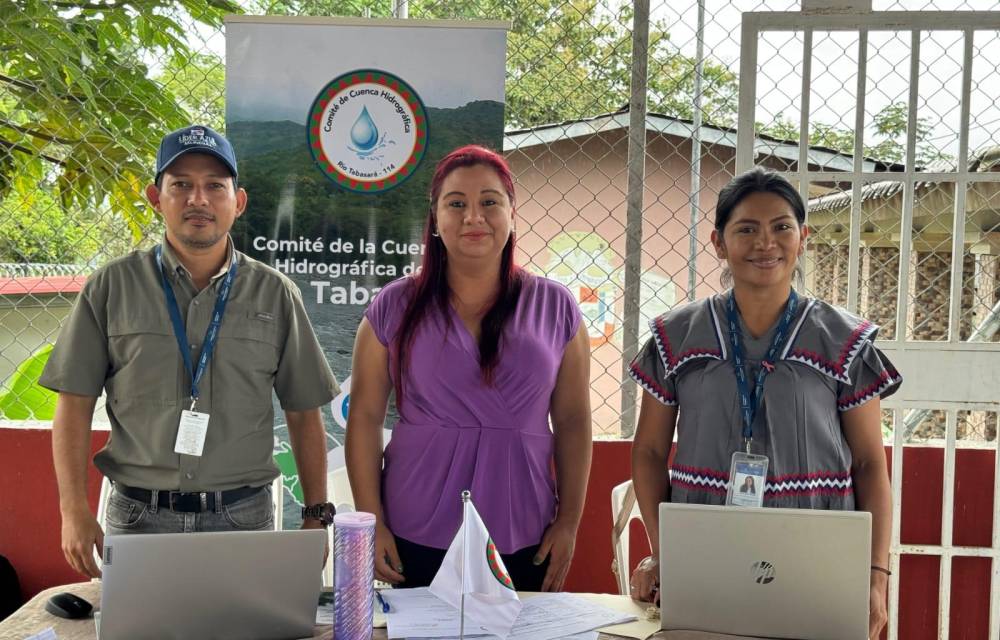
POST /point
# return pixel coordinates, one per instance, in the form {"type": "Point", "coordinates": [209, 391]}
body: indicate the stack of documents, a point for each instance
{"type": "Point", "coordinates": [416, 613]}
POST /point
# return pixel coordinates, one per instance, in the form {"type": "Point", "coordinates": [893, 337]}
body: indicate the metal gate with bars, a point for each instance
{"type": "Point", "coordinates": [948, 213]}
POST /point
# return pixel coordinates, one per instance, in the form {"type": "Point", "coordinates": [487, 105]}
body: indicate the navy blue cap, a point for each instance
{"type": "Point", "coordinates": [194, 139]}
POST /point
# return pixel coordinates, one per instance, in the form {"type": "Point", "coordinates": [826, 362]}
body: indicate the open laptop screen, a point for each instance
{"type": "Point", "coordinates": [777, 573]}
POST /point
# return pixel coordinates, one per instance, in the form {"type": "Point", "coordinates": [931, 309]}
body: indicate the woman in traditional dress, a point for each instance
{"type": "Point", "coordinates": [763, 370]}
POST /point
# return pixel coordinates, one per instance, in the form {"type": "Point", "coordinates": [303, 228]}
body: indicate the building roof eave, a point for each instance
{"type": "Point", "coordinates": [828, 159]}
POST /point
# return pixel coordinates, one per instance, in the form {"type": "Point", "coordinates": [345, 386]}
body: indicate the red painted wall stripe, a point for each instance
{"type": "Point", "coordinates": [30, 527]}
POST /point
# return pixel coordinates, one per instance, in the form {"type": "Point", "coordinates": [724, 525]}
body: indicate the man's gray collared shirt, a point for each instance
{"type": "Point", "coordinates": [119, 338]}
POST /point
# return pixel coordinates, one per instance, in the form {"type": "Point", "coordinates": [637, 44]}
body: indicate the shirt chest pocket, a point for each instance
{"type": "Point", "coordinates": [145, 359]}
{"type": "Point", "coordinates": [248, 352]}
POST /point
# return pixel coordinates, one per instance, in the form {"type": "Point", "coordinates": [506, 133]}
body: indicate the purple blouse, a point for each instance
{"type": "Point", "coordinates": [456, 433]}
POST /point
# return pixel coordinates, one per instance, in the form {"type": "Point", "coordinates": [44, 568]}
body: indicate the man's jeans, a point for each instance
{"type": "Point", "coordinates": [126, 515]}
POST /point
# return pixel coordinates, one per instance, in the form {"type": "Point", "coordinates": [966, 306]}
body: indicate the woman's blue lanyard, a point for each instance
{"type": "Point", "coordinates": [213, 327]}
{"type": "Point", "coordinates": [750, 403]}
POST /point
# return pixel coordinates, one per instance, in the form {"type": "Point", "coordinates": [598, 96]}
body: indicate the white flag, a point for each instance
{"type": "Point", "coordinates": [490, 599]}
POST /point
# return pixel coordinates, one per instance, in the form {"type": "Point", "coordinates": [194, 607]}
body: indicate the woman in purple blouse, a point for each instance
{"type": "Point", "coordinates": [480, 354]}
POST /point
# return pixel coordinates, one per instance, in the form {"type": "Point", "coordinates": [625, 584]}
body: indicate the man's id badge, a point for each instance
{"type": "Point", "coordinates": [747, 475]}
{"type": "Point", "coordinates": [191, 433]}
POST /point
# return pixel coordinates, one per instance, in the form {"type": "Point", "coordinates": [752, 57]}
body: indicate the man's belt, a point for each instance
{"type": "Point", "coordinates": [194, 502]}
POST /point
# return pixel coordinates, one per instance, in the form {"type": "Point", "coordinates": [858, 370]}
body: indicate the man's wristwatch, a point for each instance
{"type": "Point", "coordinates": [322, 511]}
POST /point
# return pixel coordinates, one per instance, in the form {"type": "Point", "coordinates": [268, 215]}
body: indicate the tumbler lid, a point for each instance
{"type": "Point", "coordinates": [354, 520]}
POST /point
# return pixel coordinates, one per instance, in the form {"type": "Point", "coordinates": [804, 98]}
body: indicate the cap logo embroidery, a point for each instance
{"type": "Point", "coordinates": [198, 137]}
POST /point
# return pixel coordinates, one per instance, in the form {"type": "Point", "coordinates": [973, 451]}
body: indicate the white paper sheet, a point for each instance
{"type": "Point", "coordinates": [416, 613]}
{"type": "Point", "coordinates": [46, 634]}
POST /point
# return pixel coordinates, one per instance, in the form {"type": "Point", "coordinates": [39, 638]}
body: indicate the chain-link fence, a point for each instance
{"type": "Point", "coordinates": [617, 171]}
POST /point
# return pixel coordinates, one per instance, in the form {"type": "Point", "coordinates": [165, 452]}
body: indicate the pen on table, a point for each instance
{"type": "Point", "coordinates": [381, 601]}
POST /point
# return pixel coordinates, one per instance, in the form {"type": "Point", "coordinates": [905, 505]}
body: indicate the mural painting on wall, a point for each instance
{"type": "Point", "coordinates": [590, 268]}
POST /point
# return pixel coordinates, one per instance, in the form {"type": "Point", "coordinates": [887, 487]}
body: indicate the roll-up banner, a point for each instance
{"type": "Point", "coordinates": [337, 126]}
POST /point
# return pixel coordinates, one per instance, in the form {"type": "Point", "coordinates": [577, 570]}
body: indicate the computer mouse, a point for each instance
{"type": "Point", "coordinates": [68, 605]}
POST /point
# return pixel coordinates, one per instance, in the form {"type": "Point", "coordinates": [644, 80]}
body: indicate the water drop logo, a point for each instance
{"type": "Point", "coordinates": [368, 130]}
{"type": "Point", "coordinates": [364, 133]}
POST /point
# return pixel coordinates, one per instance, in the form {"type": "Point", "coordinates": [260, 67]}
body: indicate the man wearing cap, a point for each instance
{"type": "Point", "coordinates": [187, 340]}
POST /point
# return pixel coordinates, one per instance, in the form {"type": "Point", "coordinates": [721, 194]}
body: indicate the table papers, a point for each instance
{"type": "Point", "coordinates": [416, 613]}
{"type": "Point", "coordinates": [641, 628]}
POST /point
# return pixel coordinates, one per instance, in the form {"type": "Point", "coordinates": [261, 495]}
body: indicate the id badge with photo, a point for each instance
{"type": "Point", "coordinates": [747, 475]}
{"type": "Point", "coordinates": [191, 433]}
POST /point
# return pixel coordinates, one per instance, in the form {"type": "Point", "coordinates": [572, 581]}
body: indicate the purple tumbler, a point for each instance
{"type": "Point", "coordinates": [353, 575]}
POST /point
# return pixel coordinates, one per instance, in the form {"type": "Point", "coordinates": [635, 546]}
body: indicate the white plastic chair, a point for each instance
{"type": "Point", "coordinates": [278, 498]}
{"type": "Point", "coordinates": [102, 501]}
{"type": "Point", "coordinates": [624, 509]}
{"type": "Point", "coordinates": [338, 485]}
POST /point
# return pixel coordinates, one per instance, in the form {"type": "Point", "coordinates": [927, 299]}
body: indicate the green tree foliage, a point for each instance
{"type": "Point", "coordinates": [198, 83]}
{"type": "Point", "coordinates": [566, 59]}
{"type": "Point", "coordinates": [21, 397]}
{"type": "Point", "coordinates": [888, 127]}
{"type": "Point", "coordinates": [87, 88]}
{"type": "Point", "coordinates": [80, 115]}
{"type": "Point", "coordinates": [35, 228]}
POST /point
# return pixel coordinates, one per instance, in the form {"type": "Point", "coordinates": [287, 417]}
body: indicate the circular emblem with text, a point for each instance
{"type": "Point", "coordinates": [367, 130]}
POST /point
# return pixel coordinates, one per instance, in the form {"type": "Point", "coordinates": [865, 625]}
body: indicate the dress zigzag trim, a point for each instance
{"type": "Point", "coordinates": [837, 370]}
{"type": "Point", "coordinates": [885, 380]}
{"type": "Point", "coordinates": [672, 362]}
{"type": "Point", "coordinates": [820, 483]}
{"type": "Point", "coordinates": [701, 479]}
{"type": "Point", "coordinates": [788, 485]}
{"type": "Point", "coordinates": [652, 386]}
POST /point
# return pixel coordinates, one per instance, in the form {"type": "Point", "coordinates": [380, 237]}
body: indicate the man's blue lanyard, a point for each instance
{"type": "Point", "coordinates": [213, 327]}
{"type": "Point", "coordinates": [750, 403]}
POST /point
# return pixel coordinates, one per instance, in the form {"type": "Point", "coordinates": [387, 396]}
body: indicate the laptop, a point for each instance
{"type": "Point", "coordinates": [246, 585]}
{"type": "Point", "coordinates": [772, 573]}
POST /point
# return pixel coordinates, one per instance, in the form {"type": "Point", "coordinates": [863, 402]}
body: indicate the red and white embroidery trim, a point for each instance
{"type": "Point", "coordinates": [837, 370]}
{"type": "Point", "coordinates": [671, 362]}
{"type": "Point", "coordinates": [650, 385]}
{"type": "Point", "coordinates": [699, 479]}
{"type": "Point", "coordinates": [885, 380]}
{"type": "Point", "coordinates": [799, 484]}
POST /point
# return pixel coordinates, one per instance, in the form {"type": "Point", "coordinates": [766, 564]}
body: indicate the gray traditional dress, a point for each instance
{"type": "Point", "coordinates": [827, 365]}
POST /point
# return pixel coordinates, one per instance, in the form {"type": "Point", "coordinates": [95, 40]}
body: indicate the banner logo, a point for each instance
{"type": "Point", "coordinates": [368, 131]}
